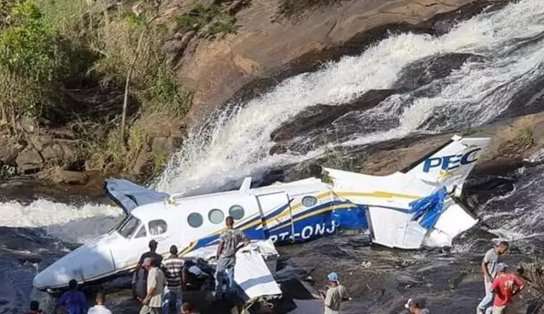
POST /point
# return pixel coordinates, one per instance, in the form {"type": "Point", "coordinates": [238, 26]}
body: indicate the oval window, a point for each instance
{"type": "Point", "coordinates": [216, 216]}
{"type": "Point", "coordinates": [195, 220]}
{"type": "Point", "coordinates": [236, 212]}
{"type": "Point", "coordinates": [309, 201]}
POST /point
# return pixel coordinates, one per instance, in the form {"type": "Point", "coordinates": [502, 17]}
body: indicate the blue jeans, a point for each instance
{"type": "Point", "coordinates": [485, 306]}
{"type": "Point", "coordinates": [172, 301]}
{"type": "Point", "coordinates": [224, 272]}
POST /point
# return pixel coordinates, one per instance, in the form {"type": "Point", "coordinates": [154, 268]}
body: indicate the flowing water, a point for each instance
{"type": "Point", "coordinates": [500, 76]}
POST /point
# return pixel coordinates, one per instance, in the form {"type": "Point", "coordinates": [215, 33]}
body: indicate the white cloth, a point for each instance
{"type": "Point", "coordinates": [98, 309]}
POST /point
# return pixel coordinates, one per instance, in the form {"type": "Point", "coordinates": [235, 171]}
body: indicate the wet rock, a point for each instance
{"type": "Point", "coordinates": [59, 175]}
{"type": "Point", "coordinates": [429, 69]}
{"type": "Point", "coordinates": [277, 45]}
{"type": "Point", "coordinates": [29, 160]}
{"type": "Point", "coordinates": [321, 116]}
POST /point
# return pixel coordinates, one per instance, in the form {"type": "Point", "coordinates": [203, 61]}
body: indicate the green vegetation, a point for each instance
{"type": "Point", "coordinates": [49, 47]}
{"type": "Point", "coordinates": [524, 139]}
{"type": "Point", "coordinates": [208, 22]}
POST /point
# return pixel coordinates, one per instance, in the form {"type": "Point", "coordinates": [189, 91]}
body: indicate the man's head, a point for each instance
{"type": "Point", "coordinates": [35, 306]}
{"type": "Point", "coordinates": [100, 298]}
{"type": "Point", "coordinates": [153, 245]}
{"type": "Point", "coordinates": [229, 222]}
{"type": "Point", "coordinates": [502, 247]}
{"type": "Point", "coordinates": [174, 250]}
{"type": "Point", "coordinates": [72, 284]}
{"type": "Point", "coordinates": [148, 263]}
{"type": "Point", "coordinates": [502, 268]}
{"type": "Point", "coordinates": [187, 308]}
{"type": "Point", "coordinates": [413, 305]}
{"type": "Point", "coordinates": [333, 278]}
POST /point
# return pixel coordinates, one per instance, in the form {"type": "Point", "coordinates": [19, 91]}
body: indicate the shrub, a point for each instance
{"type": "Point", "coordinates": [208, 21]}
{"type": "Point", "coordinates": [31, 62]}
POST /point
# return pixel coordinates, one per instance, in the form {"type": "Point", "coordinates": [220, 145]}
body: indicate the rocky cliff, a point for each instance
{"type": "Point", "coordinates": [220, 51]}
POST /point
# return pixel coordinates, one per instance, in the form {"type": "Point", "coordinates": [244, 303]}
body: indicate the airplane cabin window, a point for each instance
{"type": "Point", "coordinates": [309, 201]}
{"type": "Point", "coordinates": [141, 233]}
{"type": "Point", "coordinates": [236, 211]}
{"type": "Point", "coordinates": [157, 227]}
{"type": "Point", "coordinates": [216, 216]}
{"type": "Point", "coordinates": [128, 226]}
{"type": "Point", "coordinates": [195, 220]}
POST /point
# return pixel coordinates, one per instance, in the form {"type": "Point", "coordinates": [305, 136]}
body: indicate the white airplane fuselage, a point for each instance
{"type": "Point", "coordinates": [285, 213]}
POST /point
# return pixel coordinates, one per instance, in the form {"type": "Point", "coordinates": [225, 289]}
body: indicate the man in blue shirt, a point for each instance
{"type": "Point", "coordinates": [73, 301]}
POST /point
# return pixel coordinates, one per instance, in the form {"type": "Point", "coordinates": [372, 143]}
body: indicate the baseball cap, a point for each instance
{"type": "Point", "coordinates": [332, 276]}
{"type": "Point", "coordinates": [501, 267]}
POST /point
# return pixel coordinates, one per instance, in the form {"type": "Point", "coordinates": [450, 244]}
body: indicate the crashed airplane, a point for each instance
{"type": "Point", "coordinates": [405, 210]}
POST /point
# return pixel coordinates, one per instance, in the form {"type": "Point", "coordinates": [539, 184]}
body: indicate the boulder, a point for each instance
{"type": "Point", "coordinates": [9, 150]}
{"type": "Point", "coordinates": [165, 145]}
{"type": "Point", "coordinates": [53, 153]}
{"type": "Point", "coordinates": [143, 162]}
{"type": "Point", "coordinates": [29, 160]}
{"type": "Point", "coordinates": [58, 175]}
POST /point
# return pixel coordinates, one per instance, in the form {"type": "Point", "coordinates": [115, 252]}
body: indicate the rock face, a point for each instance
{"type": "Point", "coordinates": [267, 43]}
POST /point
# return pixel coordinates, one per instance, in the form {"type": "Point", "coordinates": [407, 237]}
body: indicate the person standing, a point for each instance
{"type": "Point", "coordinates": [99, 308]}
{"type": "Point", "coordinates": [336, 294]}
{"type": "Point", "coordinates": [73, 300]}
{"type": "Point", "coordinates": [139, 279]}
{"type": "Point", "coordinates": [226, 255]}
{"type": "Point", "coordinates": [416, 307]}
{"type": "Point", "coordinates": [152, 303]}
{"type": "Point", "coordinates": [505, 286]}
{"type": "Point", "coordinates": [173, 271]}
{"type": "Point", "coordinates": [489, 268]}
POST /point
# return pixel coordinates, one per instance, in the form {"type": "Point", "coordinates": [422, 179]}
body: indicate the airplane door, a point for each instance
{"type": "Point", "coordinates": [275, 212]}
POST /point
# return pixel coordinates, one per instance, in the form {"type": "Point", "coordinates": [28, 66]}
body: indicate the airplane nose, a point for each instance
{"type": "Point", "coordinates": [87, 263]}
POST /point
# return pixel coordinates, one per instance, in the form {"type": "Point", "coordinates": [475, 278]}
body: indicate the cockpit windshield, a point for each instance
{"type": "Point", "coordinates": [128, 226]}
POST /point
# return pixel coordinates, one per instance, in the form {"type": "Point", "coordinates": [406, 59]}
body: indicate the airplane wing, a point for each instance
{"type": "Point", "coordinates": [129, 195]}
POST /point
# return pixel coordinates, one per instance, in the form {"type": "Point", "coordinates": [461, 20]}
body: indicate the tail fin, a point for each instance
{"type": "Point", "coordinates": [450, 165]}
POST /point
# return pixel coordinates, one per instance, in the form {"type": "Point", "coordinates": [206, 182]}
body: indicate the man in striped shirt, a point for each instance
{"type": "Point", "coordinates": [173, 271]}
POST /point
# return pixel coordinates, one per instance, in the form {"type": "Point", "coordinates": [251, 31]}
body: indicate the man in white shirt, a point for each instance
{"type": "Point", "coordinates": [99, 308]}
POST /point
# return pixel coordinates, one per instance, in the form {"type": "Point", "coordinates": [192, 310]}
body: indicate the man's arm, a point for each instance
{"type": "Point", "coordinates": [152, 284]}
{"type": "Point", "coordinates": [485, 261]}
{"type": "Point", "coordinates": [219, 248]}
{"type": "Point", "coordinates": [328, 298]}
{"type": "Point", "coordinates": [519, 285]}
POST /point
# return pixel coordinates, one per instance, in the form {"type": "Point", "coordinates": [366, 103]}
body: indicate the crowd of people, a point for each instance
{"type": "Point", "coordinates": [158, 283]}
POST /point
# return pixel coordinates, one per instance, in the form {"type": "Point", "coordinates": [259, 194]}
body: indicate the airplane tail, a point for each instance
{"type": "Point", "coordinates": [450, 164]}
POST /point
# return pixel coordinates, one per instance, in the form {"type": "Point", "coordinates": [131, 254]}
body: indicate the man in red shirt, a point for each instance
{"type": "Point", "coordinates": [505, 286]}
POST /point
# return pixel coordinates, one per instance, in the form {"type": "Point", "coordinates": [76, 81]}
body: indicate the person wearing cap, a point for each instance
{"type": "Point", "coordinates": [99, 308]}
{"type": "Point", "coordinates": [336, 293]}
{"type": "Point", "coordinates": [505, 286]}
{"type": "Point", "coordinates": [34, 308]}
{"type": "Point", "coordinates": [152, 303]}
{"type": "Point", "coordinates": [489, 268]}
{"type": "Point", "coordinates": [416, 307]}
{"type": "Point", "coordinates": [139, 279]}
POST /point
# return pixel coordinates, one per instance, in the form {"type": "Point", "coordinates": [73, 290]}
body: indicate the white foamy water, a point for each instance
{"type": "Point", "coordinates": [238, 142]}
{"type": "Point", "coordinates": [62, 221]}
